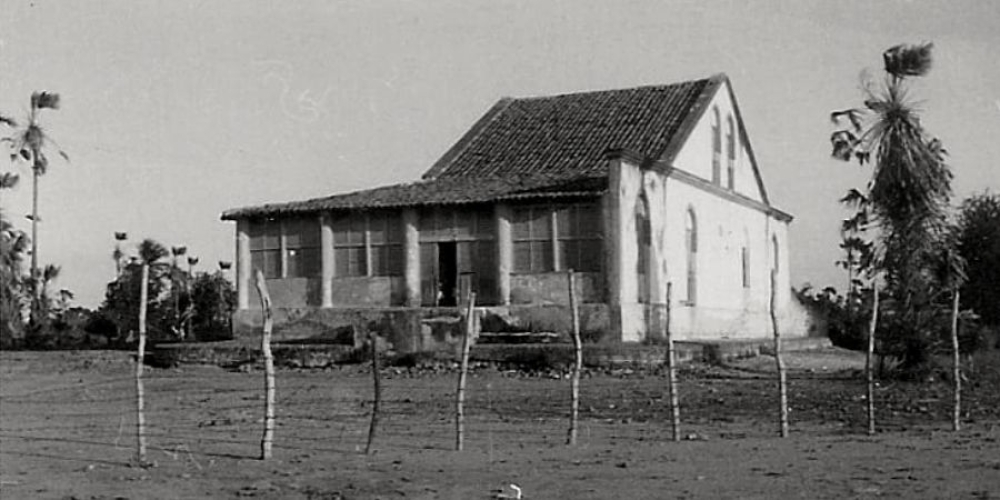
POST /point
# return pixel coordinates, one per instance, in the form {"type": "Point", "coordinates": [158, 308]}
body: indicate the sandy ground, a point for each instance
{"type": "Point", "coordinates": [67, 430]}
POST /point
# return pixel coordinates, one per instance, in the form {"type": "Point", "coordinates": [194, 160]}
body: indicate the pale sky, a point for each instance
{"type": "Point", "coordinates": [174, 111]}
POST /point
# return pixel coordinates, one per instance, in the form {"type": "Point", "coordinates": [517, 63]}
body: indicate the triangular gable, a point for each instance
{"type": "Point", "coordinates": [700, 113]}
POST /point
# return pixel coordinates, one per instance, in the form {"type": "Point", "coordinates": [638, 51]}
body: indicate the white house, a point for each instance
{"type": "Point", "coordinates": [632, 189]}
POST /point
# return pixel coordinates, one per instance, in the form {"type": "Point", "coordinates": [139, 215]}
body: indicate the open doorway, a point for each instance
{"type": "Point", "coordinates": [447, 274]}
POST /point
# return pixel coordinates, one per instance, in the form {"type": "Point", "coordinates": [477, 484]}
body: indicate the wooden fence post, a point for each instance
{"type": "Point", "coordinates": [956, 417]}
{"type": "Point", "coordinates": [574, 307]}
{"type": "Point", "coordinates": [869, 354]}
{"type": "Point", "coordinates": [265, 347]}
{"type": "Point", "coordinates": [782, 376]}
{"type": "Point", "coordinates": [140, 416]}
{"type": "Point", "coordinates": [675, 408]}
{"type": "Point", "coordinates": [377, 403]}
{"type": "Point", "coordinates": [470, 322]}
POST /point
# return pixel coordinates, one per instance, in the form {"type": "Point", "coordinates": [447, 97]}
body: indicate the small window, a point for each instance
{"type": "Point", "coordinates": [716, 146]}
{"type": "Point", "coordinates": [349, 251]}
{"type": "Point", "coordinates": [579, 237]}
{"type": "Point", "coordinates": [302, 248]}
{"type": "Point", "coordinates": [385, 232]}
{"type": "Point", "coordinates": [731, 150]}
{"type": "Point", "coordinates": [745, 260]}
{"type": "Point", "coordinates": [691, 247]}
{"type": "Point", "coordinates": [644, 243]}
{"type": "Point", "coordinates": [531, 231]}
{"type": "Point", "coordinates": [265, 247]}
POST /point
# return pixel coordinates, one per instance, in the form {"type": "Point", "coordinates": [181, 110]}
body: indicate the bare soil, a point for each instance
{"type": "Point", "coordinates": [67, 431]}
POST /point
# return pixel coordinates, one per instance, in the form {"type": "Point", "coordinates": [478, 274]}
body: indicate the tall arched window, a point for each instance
{"type": "Point", "coordinates": [691, 247]}
{"type": "Point", "coordinates": [745, 258]}
{"type": "Point", "coordinates": [644, 243]}
{"type": "Point", "coordinates": [731, 153]}
{"type": "Point", "coordinates": [716, 146]}
{"type": "Point", "coordinates": [776, 265]}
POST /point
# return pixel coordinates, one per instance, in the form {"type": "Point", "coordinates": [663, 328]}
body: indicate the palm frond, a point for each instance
{"type": "Point", "coordinates": [121, 236]}
{"type": "Point", "coordinates": [908, 60]}
{"type": "Point", "coordinates": [8, 180]}
{"type": "Point", "coordinates": [844, 144]}
{"type": "Point", "coordinates": [51, 272]}
{"type": "Point", "coordinates": [151, 251]}
{"type": "Point", "coordinates": [43, 100]}
{"type": "Point", "coordinates": [8, 121]}
{"type": "Point", "coordinates": [178, 251]}
{"type": "Point", "coordinates": [854, 198]}
{"type": "Point", "coordinates": [853, 115]}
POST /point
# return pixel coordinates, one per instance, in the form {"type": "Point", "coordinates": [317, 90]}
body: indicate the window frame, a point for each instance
{"type": "Point", "coordinates": [389, 247]}
{"type": "Point", "coordinates": [558, 240]}
{"type": "Point", "coordinates": [731, 153]}
{"type": "Point", "coordinates": [691, 255]}
{"type": "Point", "coordinates": [716, 146]}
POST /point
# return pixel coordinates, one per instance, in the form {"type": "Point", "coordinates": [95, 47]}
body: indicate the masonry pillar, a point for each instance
{"type": "Point", "coordinates": [505, 252]}
{"type": "Point", "coordinates": [411, 259]}
{"type": "Point", "coordinates": [326, 259]}
{"type": "Point", "coordinates": [243, 268]}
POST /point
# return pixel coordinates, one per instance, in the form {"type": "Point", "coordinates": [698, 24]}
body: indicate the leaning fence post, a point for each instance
{"type": "Point", "coordinates": [868, 359]}
{"type": "Point", "coordinates": [782, 377]}
{"type": "Point", "coordinates": [675, 408]}
{"type": "Point", "coordinates": [377, 403]}
{"type": "Point", "coordinates": [574, 307]}
{"type": "Point", "coordinates": [463, 371]}
{"type": "Point", "coordinates": [140, 417]}
{"type": "Point", "coordinates": [956, 417]}
{"type": "Point", "coordinates": [265, 347]}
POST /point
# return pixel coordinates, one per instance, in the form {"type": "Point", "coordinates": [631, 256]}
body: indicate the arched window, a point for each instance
{"type": "Point", "coordinates": [691, 247]}
{"type": "Point", "coordinates": [731, 153]}
{"type": "Point", "coordinates": [776, 265]}
{"type": "Point", "coordinates": [745, 258]}
{"type": "Point", "coordinates": [716, 146]}
{"type": "Point", "coordinates": [644, 243]}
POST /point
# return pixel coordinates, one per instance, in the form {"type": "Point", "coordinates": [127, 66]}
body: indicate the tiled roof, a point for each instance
{"type": "Point", "coordinates": [453, 191]}
{"type": "Point", "coordinates": [567, 135]}
{"type": "Point", "coordinates": [535, 147]}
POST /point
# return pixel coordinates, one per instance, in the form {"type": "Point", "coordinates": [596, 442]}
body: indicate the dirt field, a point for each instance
{"type": "Point", "coordinates": [67, 431]}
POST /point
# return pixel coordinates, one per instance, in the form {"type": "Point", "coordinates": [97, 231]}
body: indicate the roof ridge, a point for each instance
{"type": "Point", "coordinates": [712, 77]}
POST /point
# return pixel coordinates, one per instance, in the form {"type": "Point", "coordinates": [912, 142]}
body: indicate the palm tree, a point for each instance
{"type": "Point", "coordinates": [908, 193]}
{"type": "Point", "coordinates": [118, 255]}
{"type": "Point", "coordinates": [29, 145]}
{"type": "Point", "coordinates": [8, 180]}
{"type": "Point", "coordinates": [49, 275]}
{"type": "Point", "coordinates": [192, 261]}
{"type": "Point", "coordinates": [177, 252]}
{"type": "Point", "coordinates": [13, 300]}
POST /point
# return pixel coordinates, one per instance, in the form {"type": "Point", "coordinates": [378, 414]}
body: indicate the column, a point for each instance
{"type": "Point", "coordinates": [326, 259]}
{"type": "Point", "coordinates": [411, 253]}
{"type": "Point", "coordinates": [505, 252]}
{"type": "Point", "coordinates": [243, 268]}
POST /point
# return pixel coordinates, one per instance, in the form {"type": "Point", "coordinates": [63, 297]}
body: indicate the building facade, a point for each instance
{"type": "Point", "coordinates": [635, 191]}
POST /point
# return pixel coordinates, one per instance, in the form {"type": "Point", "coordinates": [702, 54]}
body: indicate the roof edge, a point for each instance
{"type": "Point", "coordinates": [463, 142]}
{"type": "Point", "coordinates": [695, 112]}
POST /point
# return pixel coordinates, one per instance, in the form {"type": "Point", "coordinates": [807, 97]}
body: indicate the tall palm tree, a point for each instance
{"type": "Point", "coordinates": [907, 195]}
{"type": "Point", "coordinates": [192, 261]}
{"type": "Point", "coordinates": [30, 145]}
{"type": "Point", "coordinates": [7, 179]}
{"type": "Point", "coordinates": [13, 300]}
{"type": "Point", "coordinates": [118, 255]}
{"type": "Point", "coordinates": [49, 274]}
{"type": "Point", "coordinates": [175, 273]}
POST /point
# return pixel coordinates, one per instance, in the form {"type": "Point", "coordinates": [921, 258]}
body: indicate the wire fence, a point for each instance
{"type": "Point", "coordinates": [204, 411]}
